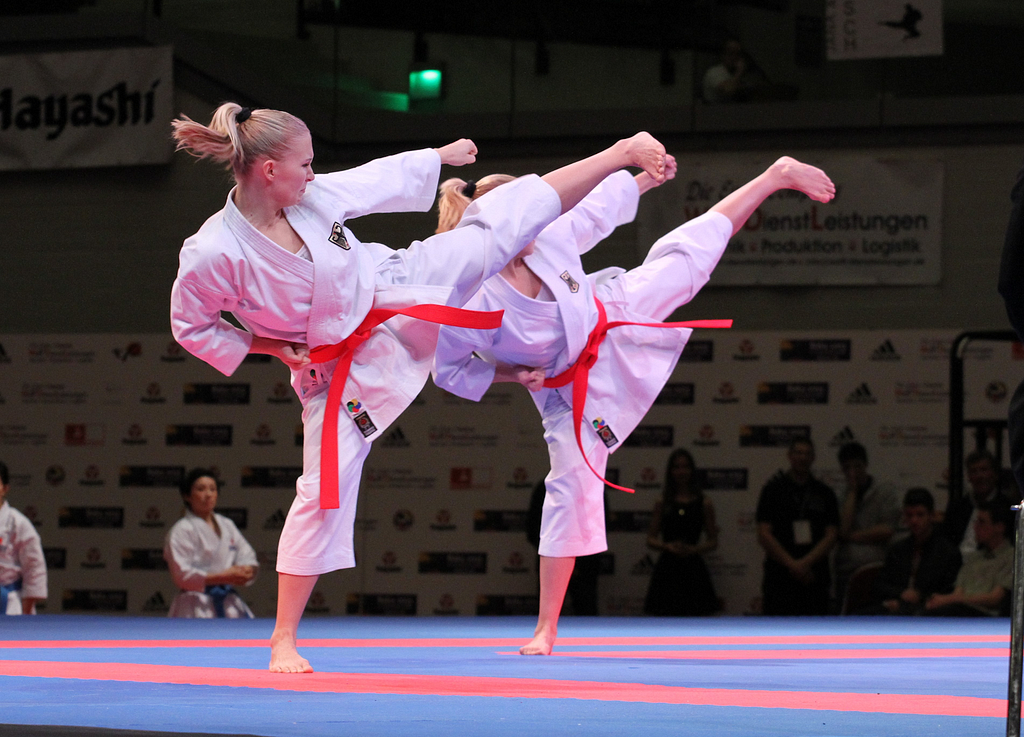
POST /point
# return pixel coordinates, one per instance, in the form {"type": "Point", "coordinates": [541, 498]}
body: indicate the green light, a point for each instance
{"type": "Point", "coordinates": [425, 84]}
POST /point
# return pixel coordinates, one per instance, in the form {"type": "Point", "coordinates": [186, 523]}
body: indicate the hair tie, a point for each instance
{"type": "Point", "coordinates": [470, 189]}
{"type": "Point", "coordinates": [243, 115]}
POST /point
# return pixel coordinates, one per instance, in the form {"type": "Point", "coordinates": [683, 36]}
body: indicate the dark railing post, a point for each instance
{"type": "Point", "coordinates": [1016, 633]}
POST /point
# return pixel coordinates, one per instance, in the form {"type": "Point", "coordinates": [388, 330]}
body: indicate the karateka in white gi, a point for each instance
{"type": "Point", "coordinates": [22, 563]}
{"type": "Point", "coordinates": [207, 555]}
{"type": "Point", "coordinates": [550, 314]}
{"type": "Point", "coordinates": [255, 259]}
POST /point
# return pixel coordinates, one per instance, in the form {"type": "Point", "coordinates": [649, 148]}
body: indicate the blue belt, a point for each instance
{"type": "Point", "coordinates": [218, 594]}
{"type": "Point", "coordinates": [5, 591]}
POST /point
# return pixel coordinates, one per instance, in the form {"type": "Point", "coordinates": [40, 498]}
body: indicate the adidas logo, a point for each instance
{"type": "Point", "coordinates": [643, 567]}
{"type": "Point", "coordinates": [156, 603]}
{"type": "Point", "coordinates": [861, 395]}
{"type": "Point", "coordinates": [842, 437]}
{"type": "Point", "coordinates": [885, 352]}
{"type": "Point", "coordinates": [275, 521]}
{"type": "Point", "coordinates": [395, 439]}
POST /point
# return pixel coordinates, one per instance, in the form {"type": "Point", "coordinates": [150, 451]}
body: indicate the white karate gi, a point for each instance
{"type": "Point", "coordinates": [21, 558]}
{"type": "Point", "coordinates": [193, 550]}
{"type": "Point", "coordinates": [634, 362]}
{"type": "Point", "coordinates": [230, 266]}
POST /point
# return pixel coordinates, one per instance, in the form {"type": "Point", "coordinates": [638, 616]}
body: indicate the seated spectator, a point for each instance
{"type": "Point", "coordinates": [22, 564]}
{"type": "Point", "coordinates": [983, 477]}
{"type": "Point", "coordinates": [207, 555]}
{"type": "Point", "coordinates": [683, 528]}
{"type": "Point", "coordinates": [917, 566]}
{"type": "Point", "coordinates": [797, 525]}
{"type": "Point", "coordinates": [985, 580]}
{"type": "Point", "coordinates": [868, 516]}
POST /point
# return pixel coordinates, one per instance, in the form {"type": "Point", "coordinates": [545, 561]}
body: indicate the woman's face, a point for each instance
{"type": "Point", "coordinates": [203, 497]}
{"type": "Point", "coordinates": [293, 170]}
{"type": "Point", "coordinates": [682, 471]}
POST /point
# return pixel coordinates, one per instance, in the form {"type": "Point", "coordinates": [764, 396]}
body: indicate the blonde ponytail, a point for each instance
{"type": "Point", "coordinates": [455, 195]}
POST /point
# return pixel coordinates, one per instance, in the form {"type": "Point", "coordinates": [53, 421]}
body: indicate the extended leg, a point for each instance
{"type": "Point", "coordinates": [292, 594]}
{"type": "Point", "coordinates": [554, 580]}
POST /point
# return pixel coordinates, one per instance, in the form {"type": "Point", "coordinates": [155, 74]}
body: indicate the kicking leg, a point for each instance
{"type": "Point", "coordinates": [786, 173]}
{"type": "Point", "coordinates": [292, 594]}
{"type": "Point", "coordinates": [554, 580]}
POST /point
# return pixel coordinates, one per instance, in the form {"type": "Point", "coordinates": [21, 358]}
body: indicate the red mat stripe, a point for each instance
{"type": "Point", "coordinates": [515, 642]}
{"type": "Point", "coordinates": [521, 688]}
{"type": "Point", "coordinates": [848, 654]}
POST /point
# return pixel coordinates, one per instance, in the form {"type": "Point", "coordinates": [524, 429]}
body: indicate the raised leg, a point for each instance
{"type": "Point", "coordinates": [554, 580]}
{"type": "Point", "coordinates": [292, 594]}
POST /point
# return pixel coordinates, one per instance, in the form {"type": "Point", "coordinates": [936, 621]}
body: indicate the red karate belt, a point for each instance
{"type": "Point", "coordinates": [579, 372]}
{"type": "Point", "coordinates": [345, 351]}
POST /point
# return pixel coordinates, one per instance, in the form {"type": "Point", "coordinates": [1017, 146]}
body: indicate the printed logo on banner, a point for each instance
{"type": "Point", "coordinates": [4, 358]}
{"type": "Point", "coordinates": [56, 558]}
{"type": "Point", "coordinates": [516, 564]}
{"type": "Point", "coordinates": [365, 524]}
{"type": "Point", "coordinates": [132, 350]}
{"type": "Point", "coordinates": [921, 392]}
{"type": "Point", "coordinates": [152, 476]}
{"type": "Point", "coordinates": [446, 605]}
{"type": "Point", "coordinates": [233, 394]}
{"type": "Point", "coordinates": [262, 435]}
{"type": "Point", "coordinates": [143, 559]}
{"type": "Point", "coordinates": [910, 436]}
{"type": "Point", "coordinates": [32, 514]}
{"type": "Point", "coordinates": [448, 436]}
{"type": "Point", "coordinates": [935, 349]}
{"type": "Point", "coordinates": [238, 515]}
{"type": "Point", "coordinates": [698, 351]}
{"type": "Point", "coordinates": [152, 518]}
{"type": "Point", "coordinates": [156, 604]}
{"type": "Point", "coordinates": [442, 521]}
{"type": "Point", "coordinates": [815, 350]}
{"type": "Point", "coordinates": [59, 353]}
{"type": "Point", "coordinates": [792, 392]}
{"type": "Point", "coordinates": [281, 393]}
{"type": "Point", "coordinates": [499, 520]}
{"type": "Point", "coordinates": [624, 606]}
{"type": "Point", "coordinates": [387, 605]}
{"type": "Point", "coordinates": [629, 520]}
{"type": "Point", "coordinates": [275, 521]}
{"type": "Point", "coordinates": [21, 435]}
{"type": "Point", "coordinates": [724, 479]}
{"type": "Point", "coordinates": [726, 394]}
{"type": "Point", "coordinates": [403, 519]}
{"type": "Point", "coordinates": [134, 435]}
{"type": "Point", "coordinates": [506, 605]}
{"type": "Point", "coordinates": [55, 475]}
{"type": "Point", "coordinates": [861, 395]}
{"type": "Point", "coordinates": [317, 604]}
{"type": "Point", "coordinates": [80, 434]}
{"type": "Point", "coordinates": [520, 479]}
{"type": "Point", "coordinates": [650, 436]}
{"type": "Point", "coordinates": [395, 439]}
{"type": "Point", "coordinates": [52, 394]}
{"type": "Point", "coordinates": [885, 352]}
{"type": "Point", "coordinates": [199, 435]}
{"type": "Point", "coordinates": [93, 559]}
{"type": "Point", "coordinates": [466, 478]}
{"type": "Point", "coordinates": [746, 351]}
{"type": "Point", "coordinates": [91, 476]}
{"type": "Point", "coordinates": [453, 563]}
{"type": "Point", "coordinates": [94, 600]}
{"type": "Point", "coordinates": [648, 479]}
{"type": "Point", "coordinates": [173, 353]}
{"type": "Point", "coordinates": [91, 517]}
{"type": "Point", "coordinates": [643, 567]}
{"type": "Point", "coordinates": [389, 563]}
{"type": "Point", "coordinates": [676, 393]}
{"type": "Point", "coordinates": [772, 436]}
{"type": "Point", "coordinates": [842, 437]}
{"type": "Point", "coordinates": [996, 391]}
{"type": "Point", "coordinates": [398, 478]}
{"type": "Point", "coordinates": [706, 437]}
{"type": "Point", "coordinates": [154, 394]}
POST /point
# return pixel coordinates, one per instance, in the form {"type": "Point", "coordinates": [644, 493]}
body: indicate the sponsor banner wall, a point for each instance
{"type": "Point", "coordinates": [110, 107]}
{"type": "Point", "coordinates": [874, 29]}
{"type": "Point", "coordinates": [860, 237]}
{"type": "Point", "coordinates": [98, 430]}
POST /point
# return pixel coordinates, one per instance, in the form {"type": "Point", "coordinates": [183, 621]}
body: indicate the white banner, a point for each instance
{"type": "Point", "coordinates": [91, 108]}
{"type": "Point", "coordinates": [872, 29]}
{"type": "Point", "coordinates": [883, 227]}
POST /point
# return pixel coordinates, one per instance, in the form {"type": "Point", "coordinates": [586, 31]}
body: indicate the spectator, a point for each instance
{"type": "Point", "coordinates": [22, 564]}
{"type": "Point", "coordinates": [983, 477]}
{"type": "Point", "coordinates": [868, 516]}
{"type": "Point", "coordinates": [985, 580]}
{"type": "Point", "coordinates": [917, 566]}
{"type": "Point", "coordinates": [682, 528]}
{"type": "Point", "coordinates": [735, 78]}
{"type": "Point", "coordinates": [797, 525]}
{"type": "Point", "coordinates": [207, 555]}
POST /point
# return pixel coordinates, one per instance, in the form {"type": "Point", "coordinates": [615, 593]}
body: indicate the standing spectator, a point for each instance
{"type": "Point", "coordinates": [797, 525]}
{"type": "Point", "coordinates": [985, 580]}
{"type": "Point", "coordinates": [917, 566]}
{"type": "Point", "coordinates": [983, 477]}
{"type": "Point", "coordinates": [683, 528]}
{"type": "Point", "coordinates": [868, 516]}
{"type": "Point", "coordinates": [22, 564]}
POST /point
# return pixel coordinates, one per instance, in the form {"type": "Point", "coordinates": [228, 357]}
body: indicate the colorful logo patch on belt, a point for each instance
{"type": "Point", "coordinates": [604, 432]}
{"type": "Point", "coordinates": [574, 285]}
{"type": "Point", "coordinates": [338, 237]}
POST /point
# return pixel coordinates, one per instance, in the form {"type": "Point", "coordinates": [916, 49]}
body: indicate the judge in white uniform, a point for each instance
{"type": "Point", "coordinates": [551, 314]}
{"type": "Point", "coordinates": [22, 563]}
{"type": "Point", "coordinates": [279, 257]}
{"type": "Point", "coordinates": [207, 555]}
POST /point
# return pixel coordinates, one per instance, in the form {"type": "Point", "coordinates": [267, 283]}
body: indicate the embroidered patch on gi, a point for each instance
{"type": "Point", "coordinates": [338, 237]}
{"type": "Point", "coordinates": [604, 431]}
{"type": "Point", "coordinates": [573, 284]}
{"type": "Point", "coordinates": [361, 417]}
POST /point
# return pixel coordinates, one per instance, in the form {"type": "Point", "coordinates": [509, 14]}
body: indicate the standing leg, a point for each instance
{"type": "Point", "coordinates": [554, 580]}
{"type": "Point", "coordinates": [292, 594]}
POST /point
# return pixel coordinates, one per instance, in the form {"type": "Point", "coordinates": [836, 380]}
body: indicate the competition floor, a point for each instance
{"type": "Point", "coordinates": [445, 676]}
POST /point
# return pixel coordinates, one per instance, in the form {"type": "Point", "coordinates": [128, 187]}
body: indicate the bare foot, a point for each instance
{"type": "Point", "coordinates": [805, 178]}
{"type": "Point", "coordinates": [543, 643]}
{"type": "Point", "coordinates": [284, 656]}
{"type": "Point", "coordinates": [645, 151]}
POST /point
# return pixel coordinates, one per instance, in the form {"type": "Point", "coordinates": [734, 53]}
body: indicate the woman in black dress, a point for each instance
{"type": "Point", "coordinates": [682, 528]}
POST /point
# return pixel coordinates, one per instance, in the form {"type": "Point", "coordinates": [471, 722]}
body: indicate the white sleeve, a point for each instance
{"type": "Point", "coordinates": [29, 549]}
{"type": "Point", "coordinates": [246, 556]}
{"type": "Point", "coordinates": [404, 182]}
{"type": "Point", "coordinates": [611, 203]}
{"type": "Point", "coordinates": [701, 241]}
{"type": "Point", "coordinates": [197, 325]}
{"type": "Point", "coordinates": [179, 552]}
{"type": "Point", "coordinates": [457, 369]}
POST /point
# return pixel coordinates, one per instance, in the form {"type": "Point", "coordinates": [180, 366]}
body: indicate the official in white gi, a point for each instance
{"type": "Point", "coordinates": [257, 259]}
{"type": "Point", "coordinates": [22, 563]}
{"type": "Point", "coordinates": [207, 555]}
{"type": "Point", "coordinates": [550, 312]}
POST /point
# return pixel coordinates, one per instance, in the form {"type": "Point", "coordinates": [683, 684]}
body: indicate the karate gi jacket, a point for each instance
{"type": "Point", "coordinates": [21, 555]}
